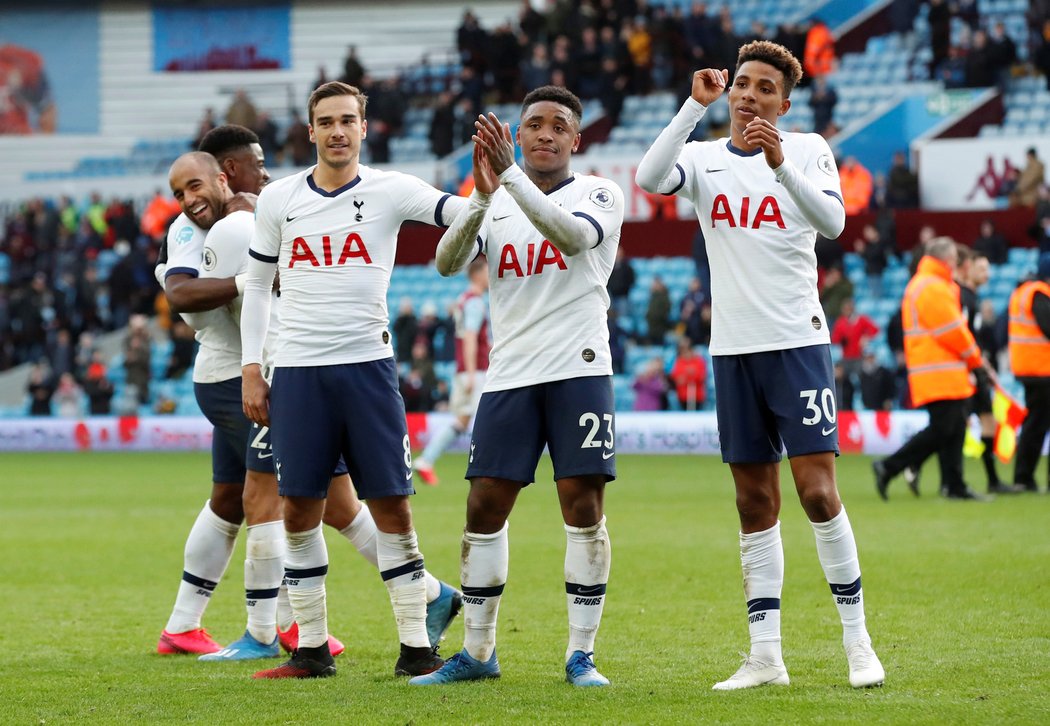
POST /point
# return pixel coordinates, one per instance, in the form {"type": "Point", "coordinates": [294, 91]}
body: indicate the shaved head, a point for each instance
{"type": "Point", "coordinates": [200, 187]}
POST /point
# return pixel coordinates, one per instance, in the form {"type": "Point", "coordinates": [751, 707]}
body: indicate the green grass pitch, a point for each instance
{"type": "Point", "coordinates": [956, 601]}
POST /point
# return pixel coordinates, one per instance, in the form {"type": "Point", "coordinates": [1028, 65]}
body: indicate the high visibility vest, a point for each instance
{"type": "Point", "coordinates": [939, 348]}
{"type": "Point", "coordinates": [1029, 348]}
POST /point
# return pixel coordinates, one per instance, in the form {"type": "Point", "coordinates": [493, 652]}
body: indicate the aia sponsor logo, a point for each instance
{"type": "Point", "coordinates": [535, 262]}
{"type": "Point", "coordinates": [320, 253]}
{"type": "Point", "coordinates": [767, 211]}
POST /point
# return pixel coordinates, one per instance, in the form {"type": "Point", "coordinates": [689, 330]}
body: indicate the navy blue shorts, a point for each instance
{"type": "Point", "coordinates": [354, 410]}
{"type": "Point", "coordinates": [773, 400]}
{"type": "Point", "coordinates": [260, 453]}
{"type": "Point", "coordinates": [221, 405]}
{"type": "Point", "coordinates": [573, 418]}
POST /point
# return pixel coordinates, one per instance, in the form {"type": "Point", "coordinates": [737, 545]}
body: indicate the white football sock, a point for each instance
{"type": "Point", "coordinates": [401, 567]}
{"type": "Point", "coordinates": [285, 616]}
{"type": "Point", "coordinates": [305, 568]}
{"type": "Point", "coordinates": [263, 573]}
{"type": "Point", "coordinates": [837, 551]}
{"type": "Point", "coordinates": [483, 573]}
{"type": "Point", "coordinates": [588, 556]}
{"type": "Point", "coordinates": [762, 559]}
{"type": "Point", "coordinates": [209, 547]}
{"type": "Point", "coordinates": [362, 535]}
{"type": "Point", "coordinates": [437, 445]}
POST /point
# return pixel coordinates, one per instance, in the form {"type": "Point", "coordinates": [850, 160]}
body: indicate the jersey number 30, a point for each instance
{"type": "Point", "coordinates": [825, 410]}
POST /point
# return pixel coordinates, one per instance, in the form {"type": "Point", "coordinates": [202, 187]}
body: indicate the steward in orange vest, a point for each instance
{"type": "Point", "coordinates": [940, 352]}
{"type": "Point", "coordinates": [1029, 329]}
{"type": "Point", "coordinates": [939, 348]}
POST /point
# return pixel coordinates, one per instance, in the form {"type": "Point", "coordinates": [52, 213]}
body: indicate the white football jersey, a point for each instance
{"type": "Point", "coordinates": [335, 253]}
{"type": "Point", "coordinates": [761, 248]}
{"type": "Point", "coordinates": [549, 311]}
{"type": "Point", "coordinates": [219, 355]}
{"type": "Point", "coordinates": [226, 255]}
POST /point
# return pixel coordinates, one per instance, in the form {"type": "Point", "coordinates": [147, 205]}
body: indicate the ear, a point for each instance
{"type": "Point", "coordinates": [784, 107]}
{"type": "Point", "coordinates": [364, 128]}
{"type": "Point", "coordinates": [576, 142]}
{"type": "Point", "coordinates": [313, 137]}
{"type": "Point", "coordinates": [229, 167]}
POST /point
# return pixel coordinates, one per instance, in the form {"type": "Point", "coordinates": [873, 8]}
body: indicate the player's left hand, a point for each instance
{"type": "Point", "coordinates": [241, 202]}
{"type": "Point", "coordinates": [763, 134]}
{"type": "Point", "coordinates": [495, 139]}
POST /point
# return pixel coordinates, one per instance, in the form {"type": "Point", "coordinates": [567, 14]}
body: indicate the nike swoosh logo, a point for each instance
{"type": "Point", "coordinates": [289, 219]}
{"type": "Point", "coordinates": [265, 456]}
{"type": "Point", "coordinates": [408, 477]}
{"type": "Point", "coordinates": [712, 171]}
{"type": "Point", "coordinates": [496, 219]}
{"type": "Point", "coordinates": [825, 432]}
{"type": "Point", "coordinates": [590, 590]}
{"type": "Point", "coordinates": [608, 454]}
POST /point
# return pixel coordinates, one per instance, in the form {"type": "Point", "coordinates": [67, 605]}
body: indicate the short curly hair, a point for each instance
{"type": "Point", "coordinates": [223, 140]}
{"type": "Point", "coordinates": [775, 55]}
{"type": "Point", "coordinates": [557, 94]}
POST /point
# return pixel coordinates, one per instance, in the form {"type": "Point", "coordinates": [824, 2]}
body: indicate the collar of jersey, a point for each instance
{"type": "Point", "coordinates": [741, 152]}
{"type": "Point", "coordinates": [560, 184]}
{"type": "Point", "coordinates": [334, 192]}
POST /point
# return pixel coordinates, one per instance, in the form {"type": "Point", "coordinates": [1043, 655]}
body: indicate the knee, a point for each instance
{"type": "Point", "coordinates": [820, 501]}
{"type": "Point", "coordinates": [227, 502]}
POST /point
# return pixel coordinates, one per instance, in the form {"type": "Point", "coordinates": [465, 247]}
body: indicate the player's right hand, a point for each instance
{"type": "Point", "coordinates": [486, 180]}
{"type": "Point", "coordinates": [709, 84]}
{"type": "Point", "coordinates": [255, 394]}
{"type": "Point", "coordinates": [241, 202]}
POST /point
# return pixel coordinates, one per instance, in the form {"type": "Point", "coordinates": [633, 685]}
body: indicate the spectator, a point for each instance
{"type": "Point", "coordinates": [612, 87]}
{"type": "Point", "coordinates": [617, 342]}
{"type": "Point", "coordinates": [835, 289]}
{"type": "Point", "coordinates": [662, 206]}
{"type": "Point", "coordinates": [322, 77]}
{"type": "Point", "coordinates": [137, 357]}
{"type": "Point", "coordinates": [297, 144]}
{"type": "Point", "coordinates": [40, 388]}
{"type": "Point", "coordinates": [405, 329]}
{"type": "Point", "coordinates": [639, 45]}
{"type": "Point", "coordinates": [939, 19]}
{"type": "Point", "coordinates": [98, 388]}
{"type": "Point", "coordinates": [851, 332]}
{"type": "Point", "coordinates": [621, 280]}
{"type": "Point", "coordinates": [902, 184]}
{"type": "Point", "coordinates": [1003, 53]}
{"type": "Point", "coordinates": [1026, 193]}
{"type": "Point", "coordinates": [691, 313]}
{"type": "Point", "coordinates": [242, 111]}
{"type": "Point", "coordinates": [353, 70]}
{"type": "Point", "coordinates": [505, 59]}
{"type": "Point", "coordinates": [67, 396]}
{"type": "Point", "coordinates": [266, 129]}
{"type": "Point", "coordinates": [952, 70]}
{"type": "Point", "coordinates": [878, 385]}
{"type": "Point", "coordinates": [819, 55]}
{"type": "Point", "coordinates": [689, 375]}
{"type": "Point", "coordinates": [442, 125]}
{"type": "Point", "coordinates": [158, 214]}
{"type": "Point", "coordinates": [650, 387]}
{"type": "Point", "coordinates": [206, 124]}
{"type": "Point", "coordinates": [536, 71]}
{"type": "Point", "coordinates": [874, 251]}
{"type": "Point", "coordinates": [991, 244]}
{"type": "Point", "coordinates": [183, 348]}
{"type": "Point", "coordinates": [822, 100]}
{"type": "Point", "coordinates": [427, 328]}
{"type": "Point", "coordinates": [980, 62]}
{"type": "Point", "coordinates": [658, 314]}
{"type": "Point", "coordinates": [856, 186]}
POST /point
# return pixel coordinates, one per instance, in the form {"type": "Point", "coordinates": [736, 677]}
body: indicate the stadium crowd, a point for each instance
{"type": "Point", "coordinates": [80, 268]}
